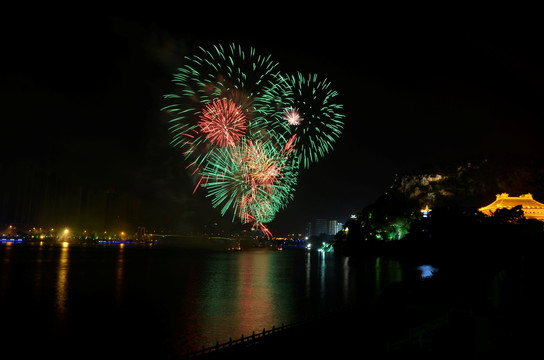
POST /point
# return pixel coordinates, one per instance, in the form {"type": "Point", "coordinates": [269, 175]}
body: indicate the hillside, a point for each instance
{"type": "Point", "coordinates": [453, 188]}
{"type": "Point", "coordinates": [472, 183]}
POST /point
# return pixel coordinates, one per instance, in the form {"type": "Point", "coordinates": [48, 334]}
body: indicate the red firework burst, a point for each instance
{"type": "Point", "coordinates": [223, 122]}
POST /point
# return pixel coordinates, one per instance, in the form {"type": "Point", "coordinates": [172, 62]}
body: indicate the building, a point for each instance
{"type": "Point", "coordinates": [334, 227]}
{"type": "Point", "coordinates": [532, 209]}
{"type": "Point", "coordinates": [320, 227]}
{"type": "Point", "coordinates": [426, 212]}
{"type": "Point", "coordinates": [333, 224]}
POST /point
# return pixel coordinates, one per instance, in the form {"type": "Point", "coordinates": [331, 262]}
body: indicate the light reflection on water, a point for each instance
{"type": "Point", "coordinates": [119, 275]}
{"type": "Point", "coordinates": [239, 293]}
{"type": "Point", "coordinates": [176, 299]}
{"type": "Point", "coordinates": [62, 280]}
{"type": "Point", "coordinates": [427, 271]}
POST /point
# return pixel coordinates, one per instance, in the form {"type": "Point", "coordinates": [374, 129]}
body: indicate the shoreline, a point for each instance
{"type": "Point", "coordinates": [480, 303]}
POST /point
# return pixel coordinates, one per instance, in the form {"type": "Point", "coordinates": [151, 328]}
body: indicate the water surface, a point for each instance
{"type": "Point", "coordinates": [119, 300]}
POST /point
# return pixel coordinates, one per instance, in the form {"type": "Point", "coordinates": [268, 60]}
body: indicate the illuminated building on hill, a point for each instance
{"type": "Point", "coordinates": [532, 209]}
{"type": "Point", "coordinates": [426, 212]}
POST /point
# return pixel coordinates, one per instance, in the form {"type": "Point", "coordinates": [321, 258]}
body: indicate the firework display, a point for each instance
{"type": "Point", "coordinates": [292, 116]}
{"type": "Point", "coordinates": [312, 114]}
{"type": "Point", "coordinates": [245, 128]}
{"type": "Point", "coordinates": [223, 122]}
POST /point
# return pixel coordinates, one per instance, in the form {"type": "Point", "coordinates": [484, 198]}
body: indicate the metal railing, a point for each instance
{"type": "Point", "coordinates": [242, 342]}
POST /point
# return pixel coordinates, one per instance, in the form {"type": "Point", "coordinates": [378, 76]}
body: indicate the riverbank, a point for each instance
{"type": "Point", "coordinates": [487, 249]}
{"type": "Point", "coordinates": [426, 322]}
{"type": "Point", "coordinates": [468, 309]}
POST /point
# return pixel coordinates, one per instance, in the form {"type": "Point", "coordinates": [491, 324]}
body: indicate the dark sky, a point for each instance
{"type": "Point", "coordinates": [81, 96]}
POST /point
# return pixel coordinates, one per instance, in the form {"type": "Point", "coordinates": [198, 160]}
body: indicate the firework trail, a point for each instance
{"type": "Point", "coordinates": [222, 76]}
{"type": "Point", "coordinates": [312, 114]}
{"type": "Point", "coordinates": [254, 179]}
{"type": "Point", "coordinates": [244, 129]}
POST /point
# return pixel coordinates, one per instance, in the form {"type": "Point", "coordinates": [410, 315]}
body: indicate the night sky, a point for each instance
{"type": "Point", "coordinates": [81, 98]}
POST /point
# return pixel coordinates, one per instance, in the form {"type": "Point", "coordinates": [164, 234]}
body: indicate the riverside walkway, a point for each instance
{"type": "Point", "coordinates": [335, 335]}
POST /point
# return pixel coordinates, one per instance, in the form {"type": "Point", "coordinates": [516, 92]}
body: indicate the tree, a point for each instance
{"type": "Point", "coordinates": [503, 216]}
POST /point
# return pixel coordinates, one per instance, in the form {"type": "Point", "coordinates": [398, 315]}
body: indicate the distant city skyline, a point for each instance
{"type": "Point", "coordinates": [322, 226]}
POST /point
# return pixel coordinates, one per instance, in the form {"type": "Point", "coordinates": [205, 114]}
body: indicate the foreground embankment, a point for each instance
{"type": "Point", "coordinates": [480, 304]}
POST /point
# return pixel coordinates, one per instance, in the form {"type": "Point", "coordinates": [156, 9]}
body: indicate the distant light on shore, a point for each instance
{"type": "Point", "coordinates": [427, 271]}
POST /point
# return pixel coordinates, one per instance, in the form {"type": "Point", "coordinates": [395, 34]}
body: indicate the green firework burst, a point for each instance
{"type": "Point", "coordinates": [254, 180]}
{"type": "Point", "coordinates": [321, 116]}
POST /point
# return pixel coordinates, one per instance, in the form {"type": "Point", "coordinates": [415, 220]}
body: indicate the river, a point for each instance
{"type": "Point", "coordinates": [122, 300]}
